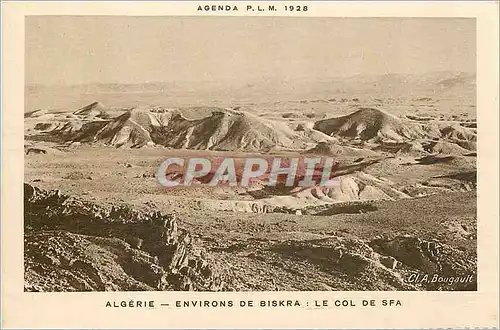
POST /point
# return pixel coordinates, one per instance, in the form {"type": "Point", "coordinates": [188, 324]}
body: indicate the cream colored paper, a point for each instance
{"type": "Point", "coordinates": [81, 310]}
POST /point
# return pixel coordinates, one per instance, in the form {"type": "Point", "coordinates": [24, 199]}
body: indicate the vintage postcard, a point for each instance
{"type": "Point", "coordinates": [250, 164]}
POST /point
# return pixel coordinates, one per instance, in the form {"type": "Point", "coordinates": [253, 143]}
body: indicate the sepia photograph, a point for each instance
{"type": "Point", "coordinates": [203, 153]}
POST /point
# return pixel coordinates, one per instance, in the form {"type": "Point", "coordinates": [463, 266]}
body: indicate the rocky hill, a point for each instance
{"type": "Point", "coordinates": [368, 124]}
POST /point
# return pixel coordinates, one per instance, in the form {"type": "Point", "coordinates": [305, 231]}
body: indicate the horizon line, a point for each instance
{"type": "Point", "coordinates": [248, 80]}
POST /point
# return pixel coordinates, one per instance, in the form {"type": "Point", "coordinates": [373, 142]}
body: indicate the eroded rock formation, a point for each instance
{"type": "Point", "coordinates": [148, 246]}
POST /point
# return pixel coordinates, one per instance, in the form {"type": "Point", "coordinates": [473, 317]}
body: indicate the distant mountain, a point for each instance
{"type": "Point", "coordinates": [434, 84]}
{"type": "Point", "coordinates": [461, 79]}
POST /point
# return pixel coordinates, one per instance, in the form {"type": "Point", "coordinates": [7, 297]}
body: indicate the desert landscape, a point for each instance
{"type": "Point", "coordinates": [97, 219]}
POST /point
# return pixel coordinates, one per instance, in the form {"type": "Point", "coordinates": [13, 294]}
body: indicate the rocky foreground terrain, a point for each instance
{"type": "Point", "coordinates": [76, 245]}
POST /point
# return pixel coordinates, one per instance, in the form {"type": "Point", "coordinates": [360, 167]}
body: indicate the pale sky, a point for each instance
{"type": "Point", "coordinates": [75, 50]}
